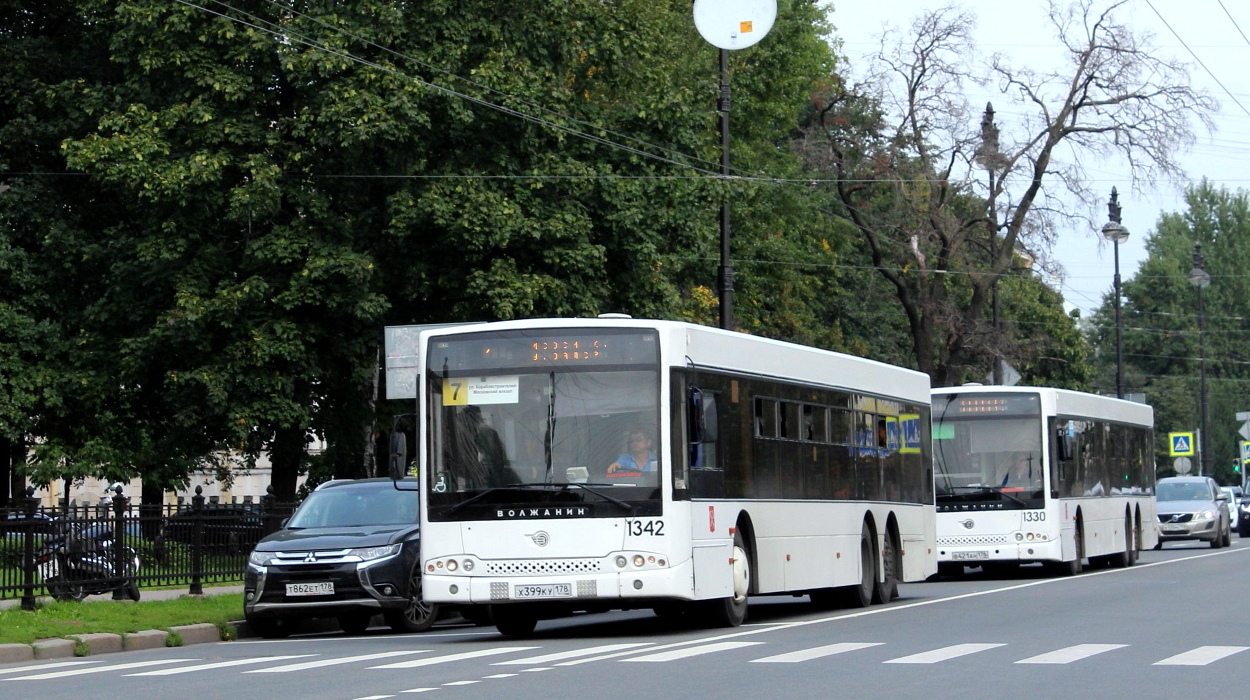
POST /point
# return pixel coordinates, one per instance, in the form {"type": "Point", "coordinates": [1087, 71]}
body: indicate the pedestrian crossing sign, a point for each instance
{"type": "Point", "coordinates": [1181, 445]}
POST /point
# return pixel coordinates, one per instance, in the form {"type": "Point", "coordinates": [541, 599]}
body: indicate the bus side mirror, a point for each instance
{"type": "Point", "coordinates": [399, 455]}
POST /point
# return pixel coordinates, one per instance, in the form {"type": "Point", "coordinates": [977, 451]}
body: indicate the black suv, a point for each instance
{"type": "Point", "coordinates": [349, 551]}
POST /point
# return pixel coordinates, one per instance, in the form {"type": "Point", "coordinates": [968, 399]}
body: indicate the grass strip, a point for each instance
{"type": "Point", "coordinates": [53, 619]}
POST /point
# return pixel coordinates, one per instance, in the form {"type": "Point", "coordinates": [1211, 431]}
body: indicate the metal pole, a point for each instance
{"type": "Point", "coordinates": [1199, 278]}
{"type": "Point", "coordinates": [1205, 456]}
{"type": "Point", "coordinates": [1119, 346]}
{"type": "Point", "coordinates": [28, 549]}
{"type": "Point", "coordinates": [726, 273]}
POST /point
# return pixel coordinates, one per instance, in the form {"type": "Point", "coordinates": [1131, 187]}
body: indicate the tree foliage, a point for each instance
{"type": "Point", "coordinates": [215, 207]}
{"type": "Point", "coordinates": [1163, 348]}
{"type": "Point", "coordinates": [946, 200]}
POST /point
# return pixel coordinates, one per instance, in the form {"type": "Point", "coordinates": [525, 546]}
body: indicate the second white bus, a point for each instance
{"type": "Point", "coordinates": [1027, 474]}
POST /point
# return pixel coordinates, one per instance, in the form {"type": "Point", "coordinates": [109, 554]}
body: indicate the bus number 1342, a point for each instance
{"type": "Point", "coordinates": [638, 528]}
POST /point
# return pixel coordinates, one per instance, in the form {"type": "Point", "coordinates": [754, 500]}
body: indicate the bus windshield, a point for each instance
{"type": "Point", "coordinates": [988, 459]}
{"type": "Point", "coordinates": [544, 418]}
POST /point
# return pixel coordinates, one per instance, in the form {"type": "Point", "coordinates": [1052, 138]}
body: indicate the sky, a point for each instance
{"type": "Point", "coordinates": [1205, 34]}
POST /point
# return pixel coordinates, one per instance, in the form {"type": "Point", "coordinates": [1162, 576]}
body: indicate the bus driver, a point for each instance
{"type": "Point", "coordinates": [638, 457]}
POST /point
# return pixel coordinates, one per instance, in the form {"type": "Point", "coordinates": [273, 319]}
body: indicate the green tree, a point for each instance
{"type": "Point", "coordinates": [926, 185]}
{"type": "Point", "coordinates": [1163, 349]}
{"type": "Point", "coordinates": [254, 189]}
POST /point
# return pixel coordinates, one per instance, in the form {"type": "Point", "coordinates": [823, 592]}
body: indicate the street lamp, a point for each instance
{"type": "Point", "coordinates": [1199, 278]}
{"type": "Point", "coordinates": [1115, 232]}
{"type": "Point", "coordinates": [990, 157]}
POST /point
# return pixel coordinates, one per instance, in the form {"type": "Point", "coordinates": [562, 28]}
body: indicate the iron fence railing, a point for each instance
{"type": "Point", "coordinates": [177, 545]}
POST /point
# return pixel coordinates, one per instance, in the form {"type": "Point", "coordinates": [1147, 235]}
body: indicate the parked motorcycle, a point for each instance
{"type": "Point", "coordinates": [82, 562]}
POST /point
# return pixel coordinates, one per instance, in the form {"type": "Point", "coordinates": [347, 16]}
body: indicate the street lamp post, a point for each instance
{"type": "Point", "coordinates": [1115, 232]}
{"type": "Point", "coordinates": [1199, 278]}
{"type": "Point", "coordinates": [991, 158]}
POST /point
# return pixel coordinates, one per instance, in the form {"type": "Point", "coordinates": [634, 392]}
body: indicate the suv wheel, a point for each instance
{"type": "Point", "coordinates": [418, 615]}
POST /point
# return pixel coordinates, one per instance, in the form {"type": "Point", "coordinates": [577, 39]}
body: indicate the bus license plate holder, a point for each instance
{"type": "Point", "coordinates": [969, 556]}
{"type": "Point", "coordinates": [532, 591]}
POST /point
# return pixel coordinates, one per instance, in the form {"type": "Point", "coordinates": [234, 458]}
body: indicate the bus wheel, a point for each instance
{"type": "Point", "coordinates": [886, 589]}
{"type": "Point", "coordinates": [860, 595]}
{"type": "Point", "coordinates": [514, 620]}
{"type": "Point", "coordinates": [1072, 568]}
{"type": "Point", "coordinates": [1124, 559]}
{"type": "Point", "coordinates": [732, 611]}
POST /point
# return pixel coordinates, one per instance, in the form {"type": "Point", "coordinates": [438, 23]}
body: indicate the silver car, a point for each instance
{"type": "Point", "coordinates": [1192, 508]}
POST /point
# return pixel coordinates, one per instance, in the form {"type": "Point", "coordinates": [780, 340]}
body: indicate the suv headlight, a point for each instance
{"type": "Point", "coordinates": [258, 558]}
{"type": "Point", "coordinates": [371, 553]}
{"type": "Point", "coordinates": [1205, 515]}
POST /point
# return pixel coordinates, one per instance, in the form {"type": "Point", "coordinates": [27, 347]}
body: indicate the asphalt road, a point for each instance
{"type": "Point", "coordinates": [1165, 628]}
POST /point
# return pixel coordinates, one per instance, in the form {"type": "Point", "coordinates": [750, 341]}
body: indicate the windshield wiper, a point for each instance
{"type": "Point", "coordinates": [540, 486]}
{"type": "Point", "coordinates": [990, 489]}
{"type": "Point", "coordinates": [611, 499]}
{"type": "Point", "coordinates": [486, 492]}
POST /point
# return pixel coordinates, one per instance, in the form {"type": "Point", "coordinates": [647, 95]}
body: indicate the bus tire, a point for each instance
{"type": "Point", "coordinates": [886, 589]}
{"type": "Point", "coordinates": [514, 620]}
{"type": "Point", "coordinates": [1072, 568]}
{"type": "Point", "coordinates": [732, 611]}
{"type": "Point", "coordinates": [860, 595]}
{"type": "Point", "coordinates": [1121, 560]}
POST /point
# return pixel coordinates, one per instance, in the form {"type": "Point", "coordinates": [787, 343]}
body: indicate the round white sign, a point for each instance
{"type": "Point", "coordinates": [1182, 465]}
{"type": "Point", "coordinates": [734, 24]}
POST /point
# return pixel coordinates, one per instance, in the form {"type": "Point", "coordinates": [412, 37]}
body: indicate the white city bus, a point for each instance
{"type": "Point", "coordinates": [1027, 474]}
{"type": "Point", "coordinates": [773, 469]}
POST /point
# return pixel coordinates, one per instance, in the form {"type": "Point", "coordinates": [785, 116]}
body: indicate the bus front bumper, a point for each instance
{"type": "Point", "coordinates": [974, 555]}
{"type": "Point", "coordinates": [669, 583]}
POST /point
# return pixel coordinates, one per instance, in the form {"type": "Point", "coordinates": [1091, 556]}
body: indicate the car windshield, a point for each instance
{"type": "Point", "coordinates": [353, 507]}
{"type": "Point", "coordinates": [1181, 491]}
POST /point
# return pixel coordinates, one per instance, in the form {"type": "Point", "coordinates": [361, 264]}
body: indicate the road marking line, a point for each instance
{"type": "Point", "coordinates": [560, 656]}
{"type": "Point", "coordinates": [96, 669]}
{"type": "Point", "coordinates": [453, 657]}
{"type": "Point", "coordinates": [943, 654]}
{"type": "Point", "coordinates": [1070, 654]}
{"type": "Point", "coordinates": [677, 654]}
{"type": "Point", "coordinates": [815, 653]}
{"type": "Point", "coordinates": [46, 667]}
{"type": "Point", "coordinates": [219, 664]}
{"type": "Point", "coordinates": [1200, 656]}
{"type": "Point", "coordinates": [289, 668]}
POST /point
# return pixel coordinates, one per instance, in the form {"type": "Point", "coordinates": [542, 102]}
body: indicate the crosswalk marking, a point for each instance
{"type": "Point", "coordinates": [289, 668]}
{"type": "Point", "coordinates": [943, 654]}
{"type": "Point", "coordinates": [560, 656]}
{"type": "Point", "coordinates": [675, 654]}
{"type": "Point", "coordinates": [815, 653]}
{"type": "Point", "coordinates": [1070, 654]}
{"type": "Point", "coordinates": [44, 667]}
{"type": "Point", "coordinates": [1200, 656]}
{"type": "Point", "coordinates": [96, 669]}
{"type": "Point", "coordinates": [219, 664]}
{"type": "Point", "coordinates": [454, 657]}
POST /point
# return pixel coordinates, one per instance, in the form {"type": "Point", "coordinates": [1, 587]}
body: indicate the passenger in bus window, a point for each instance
{"type": "Point", "coordinates": [1023, 473]}
{"type": "Point", "coordinates": [637, 456]}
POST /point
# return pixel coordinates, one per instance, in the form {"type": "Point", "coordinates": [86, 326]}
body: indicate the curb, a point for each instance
{"type": "Point", "coordinates": [104, 643]}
